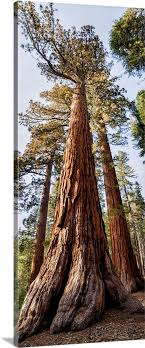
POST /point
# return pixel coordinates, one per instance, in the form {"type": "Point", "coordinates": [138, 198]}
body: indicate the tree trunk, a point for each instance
{"type": "Point", "coordinates": [122, 252]}
{"type": "Point", "coordinates": [38, 253]}
{"type": "Point", "coordinates": [77, 276]}
{"type": "Point", "coordinates": [138, 252]}
{"type": "Point", "coordinates": [135, 237]}
{"type": "Point", "coordinates": [135, 244]}
{"type": "Point", "coordinates": [140, 244]}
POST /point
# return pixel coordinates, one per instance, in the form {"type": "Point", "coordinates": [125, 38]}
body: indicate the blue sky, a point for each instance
{"type": "Point", "coordinates": [31, 83]}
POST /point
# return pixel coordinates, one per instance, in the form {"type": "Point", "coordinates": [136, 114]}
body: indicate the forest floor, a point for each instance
{"type": "Point", "coordinates": [116, 325]}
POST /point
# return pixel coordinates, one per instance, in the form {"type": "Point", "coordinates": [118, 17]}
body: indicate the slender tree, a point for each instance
{"type": "Point", "coordinates": [37, 162]}
{"type": "Point", "coordinates": [133, 205]}
{"type": "Point", "coordinates": [38, 253]}
{"type": "Point", "coordinates": [138, 208]}
{"type": "Point", "coordinates": [71, 288]}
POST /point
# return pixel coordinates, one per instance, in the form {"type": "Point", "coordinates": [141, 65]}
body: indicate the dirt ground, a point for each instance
{"type": "Point", "coordinates": [116, 325]}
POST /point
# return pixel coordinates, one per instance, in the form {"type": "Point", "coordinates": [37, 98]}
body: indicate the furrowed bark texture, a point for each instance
{"type": "Point", "coordinates": [77, 276]}
{"type": "Point", "coordinates": [122, 252]}
{"type": "Point", "coordinates": [38, 254]}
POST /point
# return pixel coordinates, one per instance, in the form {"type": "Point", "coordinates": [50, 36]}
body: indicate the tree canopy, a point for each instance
{"type": "Point", "coordinates": [138, 124]}
{"type": "Point", "coordinates": [67, 54]}
{"type": "Point", "coordinates": [140, 104]}
{"type": "Point", "coordinates": [127, 40]}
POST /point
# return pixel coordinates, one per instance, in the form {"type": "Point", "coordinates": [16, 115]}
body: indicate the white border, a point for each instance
{"type": "Point", "coordinates": [6, 165]}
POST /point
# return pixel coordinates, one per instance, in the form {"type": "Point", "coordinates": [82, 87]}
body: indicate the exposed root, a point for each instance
{"type": "Point", "coordinates": [133, 305]}
{"type": "Point", "coordinates": [85, 306]}
{"type": "Point", "coordinates": [83, 298]}
{"type": "Point", "coordinates": [118, 295]}
{"type": "Point", "coordinates": [45, 288]}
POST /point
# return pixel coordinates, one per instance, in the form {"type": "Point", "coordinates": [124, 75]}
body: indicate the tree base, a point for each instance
{"type": "Point", "coordinates": [78, 302]}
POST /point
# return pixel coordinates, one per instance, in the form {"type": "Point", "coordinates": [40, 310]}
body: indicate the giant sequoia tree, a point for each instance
{"type": "Point", "coordinates": [122, 253]}
{"type": "Point", "coordinates": [109, 109]}
{"type": "Point", "coordinates": [77, 276]}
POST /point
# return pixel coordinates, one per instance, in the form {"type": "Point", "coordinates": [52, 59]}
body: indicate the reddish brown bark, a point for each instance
{"type": "Point", "coordinates": [38, 252]}
{"type": "Point", "coordinates": [122, 252]}
{"type": "Point", "coordinates": [77, 275]}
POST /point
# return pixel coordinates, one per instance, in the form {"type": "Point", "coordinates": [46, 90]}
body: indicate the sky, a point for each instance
{"type": "Point", "coordinates": [31, 83]}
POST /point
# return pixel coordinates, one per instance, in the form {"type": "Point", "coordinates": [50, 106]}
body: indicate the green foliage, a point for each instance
{"type": "Point", "coordinates": [125, 174]}
{"type": "Point", "coordinates": [108, 105]}
{"type": "Point", "coordinates": [140, 104]}
{"type": "Point", "coordinates": [23, 246]}
{"type": "Point", "coordinates": [48, 124]}
{"type": "Point", "coordinates": [139, 201]}
{"type": "Point", "coordinates": [56, 107]}
{"type": "Point", "coordinates": [137, 205]}
{"type": "Point", "coordinates": [67, 54]}
{"type": "Point", "coordinates": [138, 125]}
{"type": "Point", "coordinates": [127, 40]}
{"type": "Point", "coordinates": [138, 133]}
{"type": "Point", "coordinates": [133, 202]}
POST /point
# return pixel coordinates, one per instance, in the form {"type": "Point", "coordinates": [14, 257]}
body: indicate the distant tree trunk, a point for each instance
{"type": "Point", "coordinates": [38, 253]}
{"type": "Point", "coordinates": [141, 241]}
{"type": "Point", "coordinates": [77, 277]}
{"type": "Point", "coordinates": [122, 252]}
{"type": "Point", "coordinates": [138, 251]}
{"type": "Point", "coordinates": [135, 237]}
{"type": "Point", "coordinates": [140, 244]}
